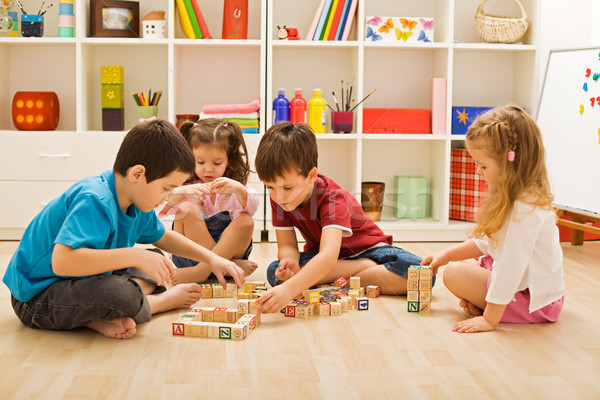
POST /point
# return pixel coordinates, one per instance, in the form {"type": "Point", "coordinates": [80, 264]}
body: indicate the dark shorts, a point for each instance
{"type": "Point", "coordinates": [75, 302]}
{"type": "Point", "coordinates": [216, 224]}
{"type": "Point", "coordinates": [393, 258]}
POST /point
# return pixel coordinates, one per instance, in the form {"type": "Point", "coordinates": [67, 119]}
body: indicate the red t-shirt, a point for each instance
{"type": "Point", "coordinates": [331, 206]}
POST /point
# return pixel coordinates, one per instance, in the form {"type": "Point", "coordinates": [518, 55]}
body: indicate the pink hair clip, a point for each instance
{"type": "Point", "coordinates": [511, 156]}
{"type": "Point", "coordinates": [225, 124]}
{"type": "Point", "coordinates": [195, 125]}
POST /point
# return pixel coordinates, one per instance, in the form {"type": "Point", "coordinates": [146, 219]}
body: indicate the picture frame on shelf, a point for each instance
{"type": "Point", "coordinates": [114, 18]}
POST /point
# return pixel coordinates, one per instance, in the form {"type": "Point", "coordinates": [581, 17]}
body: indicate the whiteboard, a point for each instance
{"type": "Point", "coordinates": [570, 123]}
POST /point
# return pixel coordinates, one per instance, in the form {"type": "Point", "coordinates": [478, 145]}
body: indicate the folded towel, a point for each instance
{"type": "Point", "coordinates": [243, 121]}
{"type": "Point", "coordinates": [250, 130]}
{"type": "Point", "coordinates": [230, 115]}
{"type": "Point", "coordinates": [253, 106]}
{"type": "Point", "coordinates": [248, 126]}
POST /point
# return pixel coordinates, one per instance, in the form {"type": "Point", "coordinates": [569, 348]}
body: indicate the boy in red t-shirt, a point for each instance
{"type": "Point", "coordinates": [340, 239]}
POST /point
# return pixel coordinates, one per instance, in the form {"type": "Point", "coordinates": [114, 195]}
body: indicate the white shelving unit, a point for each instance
{"type": "Point", "coordinates": [478, 74]}
{"type": "Point", "coordinates": [37, 166]}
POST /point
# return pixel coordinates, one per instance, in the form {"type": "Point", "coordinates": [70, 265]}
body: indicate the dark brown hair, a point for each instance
{"type": "Point", "coordinates": [223, 135]}
{"type": "Point", "coordinates": [158, 146]}
{"type": "Point", "coordinates": [286, 147]}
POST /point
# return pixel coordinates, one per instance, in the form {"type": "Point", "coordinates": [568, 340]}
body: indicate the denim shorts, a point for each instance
{"type": "Point", "coordinates": [394, 258]}
{"type": "Point", "coordinates": [216, 224]}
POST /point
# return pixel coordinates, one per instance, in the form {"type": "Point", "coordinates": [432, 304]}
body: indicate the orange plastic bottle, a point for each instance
{"type": "Point", "coordinates": [317, 112]}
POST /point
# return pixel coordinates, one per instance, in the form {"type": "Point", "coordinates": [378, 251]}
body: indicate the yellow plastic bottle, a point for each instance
{"type": "Point", "coordinates": [317, 112]}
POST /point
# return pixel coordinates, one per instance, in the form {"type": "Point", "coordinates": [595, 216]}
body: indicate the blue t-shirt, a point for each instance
{"type": "Point", "coordinates": [87, 215]}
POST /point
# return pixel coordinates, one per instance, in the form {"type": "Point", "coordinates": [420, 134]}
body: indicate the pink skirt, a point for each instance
{"type": "Point", "coordinates": [517, 311]}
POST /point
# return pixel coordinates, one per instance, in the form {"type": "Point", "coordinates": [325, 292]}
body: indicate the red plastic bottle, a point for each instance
{"type": "Point", "coordinates": [298, 108]}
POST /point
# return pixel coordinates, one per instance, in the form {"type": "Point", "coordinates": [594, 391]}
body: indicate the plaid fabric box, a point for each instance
{"type": "Point", "coordinates": [466, 186]}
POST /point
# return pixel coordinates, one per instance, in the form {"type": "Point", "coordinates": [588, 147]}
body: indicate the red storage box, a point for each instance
{"type": "Point", "coordinates": [466, 186]}
{"type": "Point", "coordinates": [396, 120]}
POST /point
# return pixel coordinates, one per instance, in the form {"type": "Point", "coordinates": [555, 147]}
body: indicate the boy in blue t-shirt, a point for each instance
{"type": "Point", "coordinates": [76, 265]}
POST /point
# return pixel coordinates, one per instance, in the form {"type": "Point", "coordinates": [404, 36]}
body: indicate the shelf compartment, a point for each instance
{"type": "Point", "coordinates": [144, 67]}
{"type": "Point", "coordinates": [212, 11]}
{"type": "Point", "coordinates": [337, 161]}
{"type": "Point", "coordinates": [215, 75]}
{"type": "Point", "coordinates": [439, 10]}
{"type": "Point", "coordinates": [38, 67]}
{"type": "Point", "coordinates": [498, 76]}
{"type": "Point", "coordinates": [409, 158]}
{"type": "Point", "coordinates": [464, 17]}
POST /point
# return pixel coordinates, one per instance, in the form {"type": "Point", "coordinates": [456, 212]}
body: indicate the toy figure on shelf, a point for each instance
{"type": "Point", "coordinates": [6, 22]}
{"type": "Point", "coordinates": [282, 33]}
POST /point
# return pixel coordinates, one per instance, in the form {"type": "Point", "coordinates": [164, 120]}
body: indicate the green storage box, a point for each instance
{"type": "Point", "coordinates": [411, 197]}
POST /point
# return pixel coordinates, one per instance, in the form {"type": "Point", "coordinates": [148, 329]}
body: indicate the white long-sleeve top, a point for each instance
{"type": "Point", "coordinates": [528, 255]}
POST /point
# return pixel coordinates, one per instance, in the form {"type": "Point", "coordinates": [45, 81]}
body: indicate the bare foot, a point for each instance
{"type": "Point", "coordinates": [118, 328]}
{"type": "Point", "coordinates": [471, 310]}
{"type": "Point", "coordinates": [196, 274]}
{"type": "Point", "coordinates": [181, 296]}
{"type": "Point", "coordinates": [248, 266]}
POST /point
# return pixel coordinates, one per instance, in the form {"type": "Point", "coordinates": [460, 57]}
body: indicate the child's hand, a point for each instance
{"type": "Point", "coordinates": [435, 261]}
{"type": "Point", "coordinates": [221, 266]}
{"type": "Point", "coordinates": [226, 185]}
{"type": "Point", "coordinates": [155, 265]}
{"type": "Point", "coordinates": [475, 324]}
{"type": "Point", "coordinates": [287, 268]}
{"type": "Point", "coordinates": [197, 191]}
{"type": "Point", "coordinates": [273, 300]}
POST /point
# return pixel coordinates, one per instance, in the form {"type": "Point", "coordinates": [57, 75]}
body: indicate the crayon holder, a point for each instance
{"type": "Point", "coordinates": [341, 121]}
{"type": "Point", "coordinates": [147, 112]}
{"type": "Point", "coordinates": [32, 25]}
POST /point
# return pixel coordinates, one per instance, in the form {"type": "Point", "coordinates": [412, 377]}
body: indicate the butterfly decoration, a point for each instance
{"type": "Point", "coordinates": [403, 35]}
{"type": "Point", "coordinates": [387, 26]}
{"type": "Point", "coordinates": [427, 24]}
{"type": "Point", "coordinates": [371, 34]}
{"type": "Point", "coordinates": [408, 23]}
{"type": "Point", "coordinates": [374, 21]}
{"type": "Point", "coordinates": [423, 37]}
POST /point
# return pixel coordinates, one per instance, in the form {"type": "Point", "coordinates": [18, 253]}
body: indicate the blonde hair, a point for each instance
{"type": "Point", "coordinates": [498, 132]}
{"type": "Point", "coordinates": [223, 135]}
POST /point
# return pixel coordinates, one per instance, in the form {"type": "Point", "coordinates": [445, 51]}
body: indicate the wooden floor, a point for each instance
{"type": "Point", "coordinates": [382, 353]}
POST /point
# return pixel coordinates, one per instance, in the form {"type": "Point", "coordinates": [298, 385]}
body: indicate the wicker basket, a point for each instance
{"type": "Point", "coordinates": [497, 29]}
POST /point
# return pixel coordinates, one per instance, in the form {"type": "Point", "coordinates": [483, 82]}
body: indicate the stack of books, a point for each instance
{"type": "Point", "coordinates": [191, 20]}
{"type": "Point", "coordinates": [333, 20]}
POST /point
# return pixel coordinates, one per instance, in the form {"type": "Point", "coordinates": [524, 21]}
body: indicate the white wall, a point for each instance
{"type": "Point", "coordinates": [566, 24]}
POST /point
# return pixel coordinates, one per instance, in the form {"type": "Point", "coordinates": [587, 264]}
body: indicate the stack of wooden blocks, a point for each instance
{"type": "Point", "coordinates": [113, 115]}
{"type": "Point", "coordinates": [419, 287]}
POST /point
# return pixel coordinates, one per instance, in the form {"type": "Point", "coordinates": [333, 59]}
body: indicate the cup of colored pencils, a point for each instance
{"type": "Point", "coordinates": [147, 104]}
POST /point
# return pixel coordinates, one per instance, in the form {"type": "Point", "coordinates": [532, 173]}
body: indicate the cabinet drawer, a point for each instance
{"type": "Point", "coordinates": [21, 201]}
{"type": "Point", "coordinates": [56, 155]}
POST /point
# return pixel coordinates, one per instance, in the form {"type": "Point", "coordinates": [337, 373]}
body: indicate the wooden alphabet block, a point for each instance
{"type": "Point", "coordinates": [302, 311]}
{"type": "Point", "coordinates": [425, 274]}
{"type": "Point", "coordinates": [238, 332]}
{"type": "Point", "coordinates": [290, 310]}
{"type": "Point", "coordinates": [413, 306]}
{"type": "Point", "coordinates": [244, 296]}
{"type": "Point", "coordinates": [413, 273]}
{"type": "Point", "coordinates": [412, 285]}
{"type": "Point", "coordinates": [178, 328]}
{"type": "Point", "coordinates": [252, 307]}
{"type": "Point", "coordinates": [336, 308]}
{"type": "Point", "coordinates": [230, 290]}
{"type": "Point", "coordinates": [412, 295]}
{"type": "Point", "coordinates": [207, 292]}
{"type": "Point", "coordinates": [341, 282]}
{"type": "Point", "coordinates": [217, 291]}
{"type": "Point", "coordinates": [243, 307]}
{"type": "Point", "coordinates": [424, 285]}
{"type": "Point", "coordinates": [230, 315]}
{"type": "Point", "coordinates": [373, 291]}
{"type": "Point", "coordinates": [313, 297]}
{"type": "Point", "coordinates": [425, 296]}
{"type": "Point", "coordinates": [224, 332]}
{"type": "Point", "coordinates": [324, 308]}
{"type": "Point", "coordinates": [354, 282]}
{"type": "Point", "coordinates": [208, 315]}
{"type": "Point", "coordinates": [219, 314]}
{"type": "Point", "coordinates": [362, 304]}
{"type": "Point", "coordinates": [344, 303]}
{"type": "Point", "coordinates": [424, 306]}
{"type": "Point", "coordinates": [213, 330]}
{"type": "Point", "coordinates": [249, 287]}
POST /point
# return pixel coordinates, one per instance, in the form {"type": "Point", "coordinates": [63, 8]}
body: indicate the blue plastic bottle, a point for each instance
{"type": "Point", "coordinates": [281, 108]}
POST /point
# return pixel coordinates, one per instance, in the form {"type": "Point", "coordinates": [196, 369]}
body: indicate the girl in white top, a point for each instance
{"type": "Point", "coordinates": [519, 275]}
